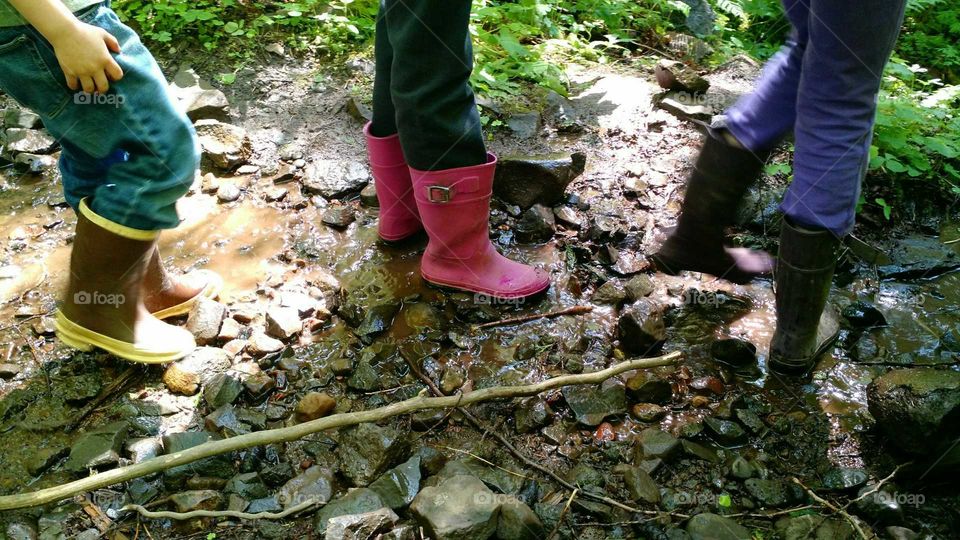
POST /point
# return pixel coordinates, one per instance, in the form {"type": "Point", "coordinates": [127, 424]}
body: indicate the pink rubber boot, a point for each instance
{"type": "Point", "coordinates": [398, 211]}
{"type": "Point", "coordinates": [455, 207]}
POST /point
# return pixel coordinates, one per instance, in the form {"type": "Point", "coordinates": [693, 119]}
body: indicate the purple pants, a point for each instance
{"type": "Point", "coordinates": [823, 84]}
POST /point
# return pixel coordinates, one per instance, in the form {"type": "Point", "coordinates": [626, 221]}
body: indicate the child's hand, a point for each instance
{"type": "Point", "coordinates": [84, 55]}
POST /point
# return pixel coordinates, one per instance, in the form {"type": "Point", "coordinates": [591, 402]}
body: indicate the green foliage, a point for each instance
{"type": "Point", "coordinates": [932, 35]}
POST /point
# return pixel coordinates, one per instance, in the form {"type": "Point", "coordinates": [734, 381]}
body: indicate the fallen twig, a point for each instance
{"type": "Point", "coordinates": [563, 513]}
{"type": "Point", "coordinates": [286, 434]}
{"type": "Point", "coordinates": [575, 310]}
{"type": "Point", "coordinates": [180, 516]}
{"type": "Point", "coordinates": [853, 522]}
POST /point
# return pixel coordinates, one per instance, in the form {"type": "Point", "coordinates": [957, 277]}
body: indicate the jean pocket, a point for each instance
{"type": "Point", "coordinates": [28, 79]}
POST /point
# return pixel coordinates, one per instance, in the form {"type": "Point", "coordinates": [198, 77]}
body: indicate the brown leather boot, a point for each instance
{"type": "Point", "coordinates": [166, 295]}
{"type": "Point", "coordinates": [719, 180]}
{"type": "Point", "coordinates": [104, 303]}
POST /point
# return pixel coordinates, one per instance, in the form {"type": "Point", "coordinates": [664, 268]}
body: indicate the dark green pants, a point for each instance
{"type": "Point", "coordinates": [421, 90]}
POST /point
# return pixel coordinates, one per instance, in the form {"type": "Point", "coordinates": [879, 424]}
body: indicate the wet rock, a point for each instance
{"type": "Point", "coordinates": [707, 386]}
{"type": "Point", "coordinates": [458, 508]}
{"type": "Point", "coordinates": [919, 257]}
{"type": "Point", "coordinates": [361, 526]}
{"type": "Point", "coordinates": [518, 521]}
{"type": "Point", "coordinates": [863, 315]}
{"type": "Point", "coordinates": [197, 368]}
{"type": "Point", "coordinates": [220, 466]}
{"type": "Point", "coordinates": [261, 344]}
{"type": "Point", "coordinates": [143, 449]}
{"type": "Point", "coordinates": [656, 443]}
{"type": "Point", "coordinates": [699, 451]}
{"type": "Point", "coordinates": [334, 178]}
{"type": "Point", "coordinates": [378, 319]}
{"type": "Point", "coordinates": [674, 75]}
{"type": "Point", "coordinates": [901, 533]}
{"type": "Point", "coordinates": [314, 405]}
{"type": "Point", "coordinates": [844, 479]}
{"type": "Point", "coordinates": [98, 448]}
{"type": "Point", "coordinates": [269, 503]}
{"type": "Point", "coordinates": [741, 468]}
{"type": "Point", "coordinates": [640, 485]}
{"type": "Point", "coordinates": [259, 385]}
{"type": "Point", "coordinates": [638, 287]}
{"type": "Point", "coordinates": [368, 196]}
{"type": "Point", "coordinates": [648, 412]}
{"type": "Point", "coordinates": [750, 419]}
{"type": "Point", "coordinates": [708, 526]}
{"type": "Point", "coordinates": [316, 483]}
{"type": "Point", "coordinates": [197, 98]}
{"type": "Point", "coordinates": [648, 387]}
{"type": "Point", "coordinates": [880, 506]}
{"type": "Point", "coordinates": [685, 106]}
{"type": "Point", "coordinates": [204, 320]}
{"type": "Point", "coordinates": [531, 414]}
{"type": "Point", "coordinates": [204, 499]}
{"type": "Point", "coordinates": [535, 225]}
{"type": "Point", "coordinates": [917, 408]}
{"type": "Point", "coordinates": [452, 379]}
{"type": "Point", "coordinates": [366, 451]}
{"type": "Point", "coordinates": [283, 322]}
{"type": "Point", "coordinates": [813, 526]}
{"type": "Point", "coordinates": [736, 352]}
{"type": "Point", "coordinates": [224, 420]}
{"type": "Point", "coordinates": [356, 501]}
{"type": "Point", "coordinates": [358, 110]}
{"type": "Point", "coordinates": [398, 486]}
{"type": "Point", "coordinates": [247, 485]}
{"type": "Point", "coordinates": [30, 141]}
{"type": "Point", "coordinates": [228, 193]}
{"type": "Point", "coordinates": [34, 163]}
{"type": "Point", "coordinates": [225, 145]}
{"type": "Point", "coordinates": [44, 458]}
{"type": "Point", "coordinates": [725, 432]}
{"type": "Point", "coordinates": [525, 181]}
{"type": "Point", "coordinates": [365, 378]}
{"type": "Point", "coordinates": [339, 216]}
{"type": "Point", "coordinates": [223, 389]}
{"type": "Point", "coordinates": [524, 125]}
{"type": "Point", "coordinates": [568, 216]}
{"type": "Point", "coordinates": [611, 293]}
{"type": "Point", "coordinates": [641, 327]}
{"type": "Point", "coordinates": [591, 404]}
{"type": "Point", "coordinates": [15, 117]}
{"type": "Point", "coordinates": [773, 493]}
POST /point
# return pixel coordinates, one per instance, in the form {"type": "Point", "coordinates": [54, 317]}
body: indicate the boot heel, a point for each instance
{"type": "Point", "coordinates": [73, 343]}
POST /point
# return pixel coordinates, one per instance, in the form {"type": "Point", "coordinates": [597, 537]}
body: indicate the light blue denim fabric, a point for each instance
{"type": "Point", "coordinates": [130, 150]}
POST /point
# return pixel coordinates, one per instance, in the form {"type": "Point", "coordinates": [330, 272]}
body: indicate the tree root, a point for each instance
{"type": "Point", "coordinates": [180, 516]}
{"type": "Point", "coordinates": [213, 448]}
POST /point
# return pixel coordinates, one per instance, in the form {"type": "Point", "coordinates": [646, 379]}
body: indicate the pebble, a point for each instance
{"type": "Point", "coordinates": [314, 405]}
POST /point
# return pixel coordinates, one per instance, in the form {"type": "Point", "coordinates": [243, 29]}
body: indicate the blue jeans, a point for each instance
{"type": "Point", "coordinates": [823, 85]}
{"type": "Point", "coordinates": [129, 150]}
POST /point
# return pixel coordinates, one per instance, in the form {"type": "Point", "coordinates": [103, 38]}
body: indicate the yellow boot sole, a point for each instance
{"type": "Point", "coordinates": [78, 337]}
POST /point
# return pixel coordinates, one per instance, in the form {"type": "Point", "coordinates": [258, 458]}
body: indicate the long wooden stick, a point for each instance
{"type": "Point", "coordinates": [575, 310]}
{"type": "Point", "coordinates": [270, 436]}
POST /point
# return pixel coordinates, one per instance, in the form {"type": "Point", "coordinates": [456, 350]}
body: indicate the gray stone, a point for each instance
{"type": "Point", "coordinates": [640, 485]}
{"type": "Point", "coordinates": [713, 527]}
{"type": "Point", "coordinates": [361, 526]}
{"type": "Point", "coordinates": [458, 508]}
{"type": "Point", "coordinates": [224, 420]}
{"type": "Point", "coordinates": [366, 451]}
{"type": "Point", "coordinates": [592, 404]}
{"type": "Point", "coordinates": [30, 141]}
{"type": "Point", "coordinates": [725, 432]}
{"type": "Point", "coordinates": [568, 216]}
{"type": "Point", "coordinates": [21, 530]}
{"type": "Point", "coordinates": [772, 492]}
{"type": "Point", "coordinates": [225, 145]}
{"type": "Point", "coordinates": [283, 322]}
{"type": "Point", "coordinates": [656, 443]}
{"type": "Point", "coordinates": [915, 408]}
{"type": "Point", "coordinates": [531, 414]}
{"type": "Point", "coordinates": [685, 106]}
{"type": "Point", "coordinates": [339, 216]}
{"type": "Point", "coordinates": [844, 479]}
{"type": "Point", "coordinates": [334, 178]}
{"type": "Point", "coordinates": [247, 485]}
{"type": "Point", "coordinates": [524, 125]}
{"type": "Point", "coordinates": [733, 351]}
{"type": "Point", "coordinates": [316, 483]}
{"type": "Point", "coordinates": [638, 287]}
{"type": "Point", "coordinates": [98, 448]}
{"type": "Point", "coordinates": [356, 501]}
{"type": "Point", "coordinates": [197, 368]}
{"type": "Point", "coordinates": [648, 387]}
{"type": "Point", "coordinates": [674, 75]}
{"type": "Point", "coordinates": [205, 319]}
{"type": "Point", "coordinates": [612, 293]}
{"type": "Point", "coordinates": [197, 98]}
{"type": "Point", "coordinates": [201, 499]}
{"type": "Point", "coordinates": [223, 389]}
{"type": "Point", "coordinates": [9, 371]}
{"type": "Point", "coordinates": [368, 196]}
{"type": "Point", "coordinates": [143, 449]}
{"type": "Point", "coordinates": [15, 117]}
{"type": "Point", "coordinates": [398, 486]}
{"type": "Point", "coordinates": [519, 522]}
{"type": "Point", "coordinates": [641, 328]}
{"type": "Point", "coordinates": [741, 468]}
{"type": "Point", "coordinates": [228, 192]}
{"type": "Point", "coordinates": [525, 181]}
{"type": "Point", "coordinates": [536, 225]}
{"type": "Point", "coordinates": [261, 344]}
